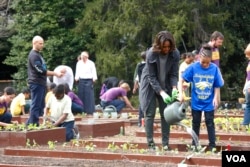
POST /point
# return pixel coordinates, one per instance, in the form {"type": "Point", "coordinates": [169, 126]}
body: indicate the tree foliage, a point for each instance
{"type": "Point", "coordinates": [122, 29]}
{"type": "Point", "coordinates": [115, 32]}
{"type": "Point", "coordinates": [54, 21]}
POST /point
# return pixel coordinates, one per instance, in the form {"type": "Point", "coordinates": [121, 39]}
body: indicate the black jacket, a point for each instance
{"type": "Point", "coordinates": [37, 70]}
{"type": "Point", "coordinates": [150, 84]}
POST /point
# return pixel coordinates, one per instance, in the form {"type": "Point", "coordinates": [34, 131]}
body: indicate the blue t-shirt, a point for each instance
{"type": "Point", "coordinates": [203, 80]}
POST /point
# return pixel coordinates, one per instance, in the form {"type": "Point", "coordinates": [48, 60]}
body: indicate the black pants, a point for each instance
{"type": "Point", "coordinates": [209, 120]}
{"type": "Point", "coordinates": [149, 121]}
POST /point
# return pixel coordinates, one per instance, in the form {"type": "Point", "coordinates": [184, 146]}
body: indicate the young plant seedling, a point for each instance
{"type": "Point", "coordinates": [113, 147]}
{"type": "Point", "coordinates": [31, 127]}
{"type": "Point", "coordinates": [52, 145]}
{"type": "Point", "coordinates": [35, 144]}
{"type": "Point", "coordinates": [22, 127]}
{"type": "Point", "coordinates": [143, 151]}
{"type": "Point", "coordinates": [90, 147]}
{"type": "Point", "coordinates": [75, 143]}
{"type": "Point", "coordinates": [28, 143]}
{"type": "Point", "coordinates": [129, 146]}
{"type": "Point", "coordinates": [65, 144]}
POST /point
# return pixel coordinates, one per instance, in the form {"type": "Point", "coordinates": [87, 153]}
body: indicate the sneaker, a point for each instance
{"type": "Point", "coordinates": [76, 132]}
{"type": "Point", "coordinates": [77, 136]}
{"type": "Point", "coordinates": [166, 148]}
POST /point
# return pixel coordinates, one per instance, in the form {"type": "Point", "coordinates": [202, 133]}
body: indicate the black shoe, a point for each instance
{"type": "Point", "coordinates": [151, 146]}
{"type": "Point", "coordinates": [212, 149]}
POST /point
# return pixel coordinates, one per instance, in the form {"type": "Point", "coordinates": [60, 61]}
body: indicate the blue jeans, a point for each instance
{"type": "Point", "coordinates": [6, 117]}
{"type": "Point", "coordinates": [27, 106]}
{"type": "Point", "coordinates": [119, 104]}
{"type": "Point", "coordinates": [209, 120]}
{"type": "Point", "coordinates": [76, 108]}
{"type": "Point", "coordinates": [69, 129]}
{"type": "Point", "coordinates": [246, 119]}
{"type": "Point", "coordinates": [38, 93]}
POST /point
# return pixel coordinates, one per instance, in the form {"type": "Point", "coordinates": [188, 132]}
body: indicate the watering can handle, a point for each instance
{"type": "Point", "coordinates": [111, 106]}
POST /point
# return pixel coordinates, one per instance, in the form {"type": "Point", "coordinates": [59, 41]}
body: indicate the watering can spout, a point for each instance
{"type": "Point", "coordinates": [175, 112]}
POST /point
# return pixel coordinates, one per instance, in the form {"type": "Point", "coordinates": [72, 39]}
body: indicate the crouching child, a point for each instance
{"type": "Point", "coordinates": [61, 115]}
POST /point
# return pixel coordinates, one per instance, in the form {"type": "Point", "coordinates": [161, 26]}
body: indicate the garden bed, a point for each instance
{"type": "Point", "coordinates": [106, 149]}
{"type": "Point", "coordinates": [104, 155]}
{"type": "Point", "coordinates": [99, 127]}
{"type": "Point", "coordinates": [100, 140]}
{"type": "Point", "coordinates": [22, 138]}
{"type": "Point", "coordinates": [236, 136]}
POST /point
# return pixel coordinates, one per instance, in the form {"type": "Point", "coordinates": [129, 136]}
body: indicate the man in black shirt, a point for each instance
{"type": "Point", "coordinates": [37, 77]}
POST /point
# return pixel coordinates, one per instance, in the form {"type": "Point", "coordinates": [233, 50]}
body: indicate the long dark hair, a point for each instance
{"type": "Point", "coordinates": [162, 37]}
{"type": "Point", "coordinates": [66, 88]}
